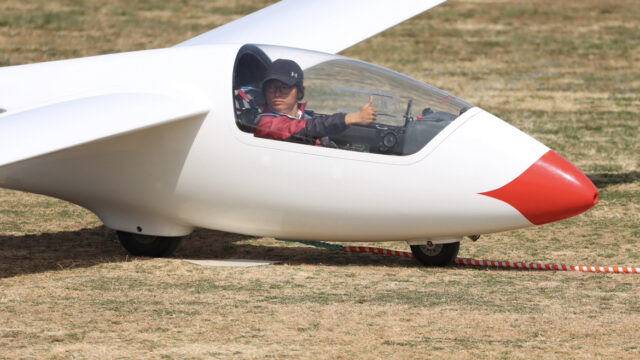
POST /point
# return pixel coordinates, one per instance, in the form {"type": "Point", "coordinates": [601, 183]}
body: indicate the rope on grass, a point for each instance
{"type": "Point", "coordinates": [372, 250]}
{"type": "Point", "coordinates": [534, 266]}
{"type": "Point", "coordinates": [502, 264]}
{"type": "Point", "coordinates": [318, 244]}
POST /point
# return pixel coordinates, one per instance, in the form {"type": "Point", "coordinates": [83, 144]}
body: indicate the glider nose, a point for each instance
{"type": "Point", "coordinates": [551, 189]}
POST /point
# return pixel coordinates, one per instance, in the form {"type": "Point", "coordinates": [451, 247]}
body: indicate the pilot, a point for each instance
{"type": "Point", "coordinates": [284, 116]}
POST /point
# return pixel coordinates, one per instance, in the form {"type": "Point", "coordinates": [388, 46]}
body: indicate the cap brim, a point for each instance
{"type": "Point", "coordinates": [284, 80]}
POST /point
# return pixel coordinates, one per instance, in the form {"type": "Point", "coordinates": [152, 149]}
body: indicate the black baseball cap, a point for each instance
{"type": "Point", "coordinates": [285, 70]}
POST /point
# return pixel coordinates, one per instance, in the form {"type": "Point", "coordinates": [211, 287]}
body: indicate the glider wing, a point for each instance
{"type": "Point", "coordinates": [328, 26]}
{"type": "Point", "coordinates": [63, 125]}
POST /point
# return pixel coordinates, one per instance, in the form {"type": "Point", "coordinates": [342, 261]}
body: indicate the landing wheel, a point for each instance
{"type": "Point", "coordinates": [150, 246]}
{"type": "Point", "coordinates": [436, 254]}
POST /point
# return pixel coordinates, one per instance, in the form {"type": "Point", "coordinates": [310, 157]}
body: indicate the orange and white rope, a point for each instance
{"type": "Point", "coordinates": [372, 250]}
{"type": "Point", "coordinates": [503, 264]}
{"type": "Point", "coordinates": [534, 266]}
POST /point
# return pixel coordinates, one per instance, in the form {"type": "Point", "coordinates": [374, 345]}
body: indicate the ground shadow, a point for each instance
{"type": "Point", "coordinates": [603, 180]}
{"type": "Point", "coordinates": [30, 254]}
{"type": "Point", "coordinates": [210, 244]}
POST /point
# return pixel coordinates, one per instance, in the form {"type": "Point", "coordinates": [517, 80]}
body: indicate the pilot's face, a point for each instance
{"type": "Point", "coordinates": [282, 98]}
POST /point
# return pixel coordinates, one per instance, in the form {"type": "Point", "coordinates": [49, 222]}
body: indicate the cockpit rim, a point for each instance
{"type": "Point", "coordinates": [249, 139]}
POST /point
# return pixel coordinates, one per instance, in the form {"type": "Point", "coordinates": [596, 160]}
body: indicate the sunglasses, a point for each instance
{"type": "Point", "coordinates": [283, 89]}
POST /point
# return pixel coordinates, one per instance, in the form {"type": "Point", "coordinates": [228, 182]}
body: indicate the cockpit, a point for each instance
{"type": "Point", "coordinates": [410, 113]}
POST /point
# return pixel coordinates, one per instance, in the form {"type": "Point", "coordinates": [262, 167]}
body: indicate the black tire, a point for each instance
{"type": "Point", "coordinates": [149, 246]}
{"type": "Point", "coordinates": [436, 254]}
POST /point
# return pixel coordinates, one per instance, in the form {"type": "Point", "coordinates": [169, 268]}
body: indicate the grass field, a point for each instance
{"type": "Point", "coordinates": [566, 72]}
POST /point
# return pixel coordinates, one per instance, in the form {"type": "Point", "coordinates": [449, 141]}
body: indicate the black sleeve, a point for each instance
{"type": "Point", "coordinates": [324, 125]}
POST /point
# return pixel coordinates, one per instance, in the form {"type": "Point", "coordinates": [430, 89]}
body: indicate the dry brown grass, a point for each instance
{"type": "Point", "coordinates": [566, 72]}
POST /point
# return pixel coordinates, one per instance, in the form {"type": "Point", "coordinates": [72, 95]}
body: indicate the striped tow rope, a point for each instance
{"type": "Point", "coordinates": [372, 250]}
{"type": "Point", "coordinates": [501, 264]}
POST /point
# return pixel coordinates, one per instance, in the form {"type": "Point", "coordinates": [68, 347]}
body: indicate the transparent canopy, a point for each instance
{"type": "Point", "coordinates": [410, 113]}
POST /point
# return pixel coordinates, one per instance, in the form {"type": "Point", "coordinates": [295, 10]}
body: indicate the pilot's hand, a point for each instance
{"type": "Point", "coordinates": [367, 115]}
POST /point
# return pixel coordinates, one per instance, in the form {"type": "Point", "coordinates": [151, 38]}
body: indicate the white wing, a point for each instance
{"type": "Point", "coordinates": [85, 120]}
{"type": "Point", "coordinates": [323, 25]}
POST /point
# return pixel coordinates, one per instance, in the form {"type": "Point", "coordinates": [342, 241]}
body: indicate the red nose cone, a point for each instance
{"type": "Point", "coordinates": [552, 189]}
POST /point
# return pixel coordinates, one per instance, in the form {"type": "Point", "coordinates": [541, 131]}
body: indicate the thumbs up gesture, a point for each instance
{"type": "Point", "coordinates": [367, 115]}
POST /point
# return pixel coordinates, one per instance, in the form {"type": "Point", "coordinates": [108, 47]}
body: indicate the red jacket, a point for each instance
{"type": "Point", "coordinates": [307, 129]}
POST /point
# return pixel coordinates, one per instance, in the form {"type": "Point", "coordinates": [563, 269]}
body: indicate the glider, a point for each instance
{"type": "Point", "coordinates": [159, 142]}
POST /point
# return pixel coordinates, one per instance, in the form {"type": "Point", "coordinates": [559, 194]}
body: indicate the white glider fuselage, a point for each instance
{"type": "Point", "coordinates": [198, 169]}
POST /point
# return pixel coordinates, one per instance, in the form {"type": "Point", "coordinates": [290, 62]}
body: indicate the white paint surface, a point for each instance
{"type": "Point", "coordinates": [243, 263]}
